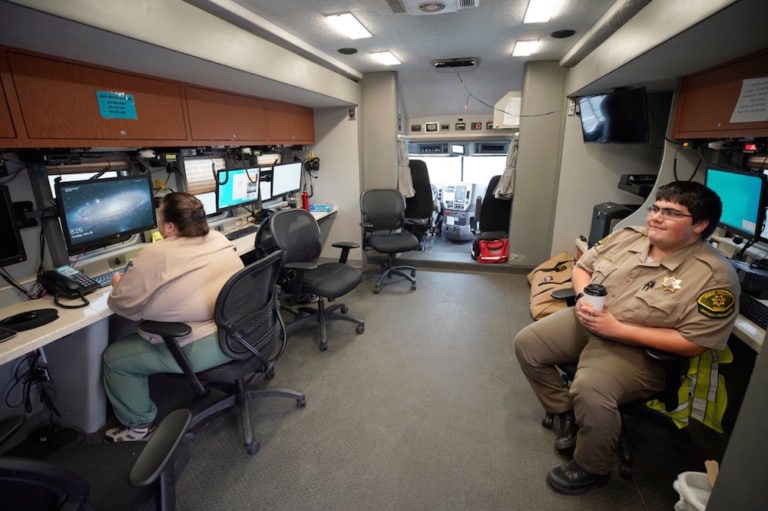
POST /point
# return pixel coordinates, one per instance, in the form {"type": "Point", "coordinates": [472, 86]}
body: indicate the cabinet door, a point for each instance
{"type": "Point", "coordinates": [222, 116]}
{"type": "Point", "coordinates": [708, 99]}
{"type": "Point", "coordinates": [291, 124]}
{"type": "Point", "coordinates": [60, 100]}
{"type": "Point", "coordinates": [6, 123]}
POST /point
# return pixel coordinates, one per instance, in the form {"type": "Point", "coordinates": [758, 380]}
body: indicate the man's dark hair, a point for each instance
{"type": "Point", "coordinates": [702, 202]}
{"type": "Point", "coordinates": [186, 212]}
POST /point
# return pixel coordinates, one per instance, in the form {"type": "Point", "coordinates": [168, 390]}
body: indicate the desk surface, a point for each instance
{"type": "Point", "coordinates": [69, 321]}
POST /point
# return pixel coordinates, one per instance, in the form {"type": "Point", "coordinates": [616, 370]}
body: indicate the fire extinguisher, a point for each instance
{"type": "Point", "coordinates": [305, 200]}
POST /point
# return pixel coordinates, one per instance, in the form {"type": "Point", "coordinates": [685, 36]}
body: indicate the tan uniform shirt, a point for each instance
{"type": "Point", "coordinates": [177, 279]}
{"type": "Point", "coordinates": [694, 290]}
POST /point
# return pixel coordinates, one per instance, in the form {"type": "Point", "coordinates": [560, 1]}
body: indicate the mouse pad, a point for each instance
{"type": "Point", "coordinates": [44, 316]}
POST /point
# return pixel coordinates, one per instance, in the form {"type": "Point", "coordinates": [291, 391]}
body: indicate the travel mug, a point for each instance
{"type": "Point", "coordinates": [595, 294]}
{"type": "Point", "coordinates": [305, 200]}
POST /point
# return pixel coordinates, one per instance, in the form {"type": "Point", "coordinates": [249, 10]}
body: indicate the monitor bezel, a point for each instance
{"type": "Point", "coordinates": [219, 183]}
{"type": "Point", "coordinates": [753, 236]}
{"type": "Point", "coordinates": [74, 248]}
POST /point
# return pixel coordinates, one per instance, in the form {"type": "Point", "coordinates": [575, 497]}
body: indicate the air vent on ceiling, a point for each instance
{"type": "Point", "coordinates": [420, 7]}
{"type": "Point", "coordinates": [454, 65]}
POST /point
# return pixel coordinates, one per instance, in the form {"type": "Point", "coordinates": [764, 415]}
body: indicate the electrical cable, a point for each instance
{"type": "Point", "coordinates": [493, 107]}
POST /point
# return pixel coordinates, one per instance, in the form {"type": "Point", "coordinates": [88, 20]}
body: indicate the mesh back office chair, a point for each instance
{"type": "Point", "coordinates": [110, 476]}
{"type": "Point", "coordinates": [423, 209]}
{"type": "Point", "coordinates": [383, 211]}
{"type": "Point", "coordinates": [296, 233]}
{"type": "Point", "coordinates": [251, 332]}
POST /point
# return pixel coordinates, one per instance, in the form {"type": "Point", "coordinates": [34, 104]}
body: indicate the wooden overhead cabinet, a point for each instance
{"type": "Point", "coordinates": [226, 117]}
{"type": "Point", "coordinates": [61, 100]}
{"type": "Point", "coordinates": [707, 100]}
{"type": "Point", "coordinates": [291, 124]}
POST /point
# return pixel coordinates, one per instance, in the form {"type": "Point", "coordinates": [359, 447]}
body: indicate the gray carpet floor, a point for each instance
{"type": "Point", "coordinates": [427, 410]}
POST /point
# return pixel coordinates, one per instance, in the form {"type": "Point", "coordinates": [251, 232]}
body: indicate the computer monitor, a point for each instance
{"type": "Point", "coordinates": [743, 196]}
{"type": "Point", "coordinates": [200, 176]}
{"type": "Point", "coordinates": [12, 248]}
{"type": "Point", "coordinates": [286, 178]}
{"type": "Point", "coordinates": [237, 187]}
{"type": "Point", "coordinates": [77, 176]}
{"type": "Point", "coordinates": [100, 212]}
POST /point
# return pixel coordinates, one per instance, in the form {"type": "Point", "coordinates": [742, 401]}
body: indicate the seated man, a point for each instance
{"type": "Point", "coordinates": [668, 289]}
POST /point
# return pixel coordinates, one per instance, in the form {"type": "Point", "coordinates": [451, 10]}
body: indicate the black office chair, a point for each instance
{"type": "Point", "coordinates": [296, 233]}
{"type": "Point", "coordinates": [108, 476]}
{"type": "Point", "coordinates": [423, 209]}
{"type": "Point", "coordinates": [251, 332]}
{"type": "Point", "coordinates": [383, 211]}
{"type": "Point", "coordinates": [491, 219]}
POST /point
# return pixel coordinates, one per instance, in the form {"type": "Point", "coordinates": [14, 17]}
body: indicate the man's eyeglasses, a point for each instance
{"type": "Point", "coordinates": [667, 212]}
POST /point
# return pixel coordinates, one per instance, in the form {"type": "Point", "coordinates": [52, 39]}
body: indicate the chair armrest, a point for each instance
{"type": "Point", "coordinates": [345, 247]}
{"type": "Point", "coordinates": [170, 332]}
{"type": "Point", "coordinates": [565, 294]}
{"type": "Point", "coordinates": [417, 221]}
{"type": "Point", "coordinates": [297, 265]}
{"type": "Point", "coordinates": [159, 451]}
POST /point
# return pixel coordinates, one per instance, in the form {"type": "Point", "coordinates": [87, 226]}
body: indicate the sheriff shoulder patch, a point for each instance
{"type": "Point", "coordinates": [717, 303]}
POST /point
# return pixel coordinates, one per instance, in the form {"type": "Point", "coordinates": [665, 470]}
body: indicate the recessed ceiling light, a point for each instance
{"type": "Point", "coordinates": [525, 48]}
{"type": "Point", "coordinates": [347, 51]}
{"type": "Point", "coordinates": [540, 11]}
{"type": "Point", "coordinates": [562, 34]}
{"type": "Point", "coordinates": [385, 57]}
{"type": "Point", "coordinates": [348, 25]}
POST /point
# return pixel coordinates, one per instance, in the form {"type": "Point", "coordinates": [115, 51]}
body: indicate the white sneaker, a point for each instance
{"type": "Point", "coordinates": [126, 434]}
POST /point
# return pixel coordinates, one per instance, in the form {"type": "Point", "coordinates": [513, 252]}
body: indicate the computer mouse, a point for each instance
{"type": "Point", "coordinates": [28, 316]}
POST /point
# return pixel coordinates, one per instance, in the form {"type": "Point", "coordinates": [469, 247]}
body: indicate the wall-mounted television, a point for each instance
{"type": "Point", "coordinates": [619, 117]}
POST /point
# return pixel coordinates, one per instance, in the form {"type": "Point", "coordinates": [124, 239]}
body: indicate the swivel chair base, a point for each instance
{"type": "Point", "coordinates": [321, 315]}
{"type": "Point", "coordinates": [390, 269]}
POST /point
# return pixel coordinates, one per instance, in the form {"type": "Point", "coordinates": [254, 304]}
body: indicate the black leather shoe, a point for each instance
{"type": "Point", "coordinates": [570, 479]}
{"type": "Point", "coordinates": [566, 437]}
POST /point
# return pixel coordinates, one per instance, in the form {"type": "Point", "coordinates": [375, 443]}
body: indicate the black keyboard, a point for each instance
{"type": "Point", "coordinates": [105, 279]}
{"type": "Point", "coordinates": [244, 231]}
{"type": "Point", "coordinates": [754, 310]}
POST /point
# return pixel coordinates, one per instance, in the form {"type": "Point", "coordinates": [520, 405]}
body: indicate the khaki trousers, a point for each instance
{"type": "Point", "coordinates": [608, 374]}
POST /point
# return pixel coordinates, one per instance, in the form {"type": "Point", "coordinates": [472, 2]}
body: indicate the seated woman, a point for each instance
{"type": "Point", "coordinates": [176, 279]}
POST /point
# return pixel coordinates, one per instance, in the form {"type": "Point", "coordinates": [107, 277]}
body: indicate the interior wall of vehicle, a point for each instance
{"type": "Point", "coordinates": [378, 130]}
{"type": "Point", "coordinates": [538, 163]}
{"type": "Point", "coordinates": [590, 173]}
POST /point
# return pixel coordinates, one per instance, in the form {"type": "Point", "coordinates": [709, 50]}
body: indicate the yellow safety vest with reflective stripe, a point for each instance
{"type": "Point", "coordinates": [702, 393]}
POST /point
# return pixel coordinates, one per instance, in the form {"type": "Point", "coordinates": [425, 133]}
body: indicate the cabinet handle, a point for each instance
{"type": "Point", "coordinates": [123, 133]}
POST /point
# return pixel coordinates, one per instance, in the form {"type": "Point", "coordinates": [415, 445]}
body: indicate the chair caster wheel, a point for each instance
{"type": "Point", "coordinates": [270, 373]}
{"type": "Point", "coordinates": [626, 472]}
{"type": "Point", "coordinates": [548, 420]}
{"type": "Point", "coordinates": [344, 309]}
{"type": "Point", "coordinates": [253, 448]}
{"type": "Point", "coordinates": [301, 403]}
{"type": "Point", "coordinates": [377, 290]}
{"type": "Point", "coordinates": [323, 346]}
{"type": "Point", "coordinates": [413, 287]}
{"type": "Point", "coordinates": [413, 273]}
{"type": "Point", "coordinates": [360, 329]}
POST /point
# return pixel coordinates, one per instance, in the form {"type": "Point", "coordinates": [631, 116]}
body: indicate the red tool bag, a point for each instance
{"type": "Point", "coordinates": [491, 251]}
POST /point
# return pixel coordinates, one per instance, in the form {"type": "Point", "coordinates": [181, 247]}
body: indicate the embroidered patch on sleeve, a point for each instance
{"type": "Point", "coordinates": [717, 303]}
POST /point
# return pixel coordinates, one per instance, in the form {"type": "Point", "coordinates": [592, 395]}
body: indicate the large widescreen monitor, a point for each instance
{"type": "Point", "coordinates": [100, 212]}
{"type": "Point", "coordinates": [618, 117]}
{"type": "Point", "coordinates": [237, 187]}
{"type": "Point", "coordinates": [743, 195]}
{"type": "Point", "coordinates": [286, 178]}
{"type": "Point", "coordinates": [11, 248]}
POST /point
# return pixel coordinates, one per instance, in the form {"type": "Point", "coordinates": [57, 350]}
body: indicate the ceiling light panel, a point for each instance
{"type": "Point", "coordinates": [348, 26]}
{"type": "Point", "coordinates": [385, 57]}
{"type": "Point", "coordinates": [525, 48]}
{"type": "Point", "coordinates": [540, 11]}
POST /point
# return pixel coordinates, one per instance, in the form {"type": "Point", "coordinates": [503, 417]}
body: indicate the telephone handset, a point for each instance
{"type": "Point", "coordinates": [67, 282]}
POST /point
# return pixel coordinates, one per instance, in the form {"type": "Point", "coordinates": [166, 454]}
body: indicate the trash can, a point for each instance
{"type": "Point", "coordinates": [694, 491]}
